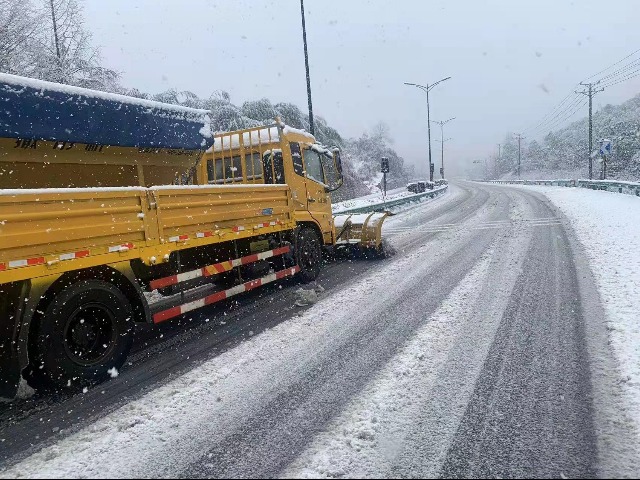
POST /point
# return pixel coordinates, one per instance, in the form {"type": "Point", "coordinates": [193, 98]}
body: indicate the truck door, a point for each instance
{"type": "Point", "coordinates": [317, 196]}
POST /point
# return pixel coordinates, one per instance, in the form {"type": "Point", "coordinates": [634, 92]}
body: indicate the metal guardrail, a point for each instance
{"type": "Point", "coordinates": [629, 188]}
{"type": "Point", "coordinates": [382, 206]}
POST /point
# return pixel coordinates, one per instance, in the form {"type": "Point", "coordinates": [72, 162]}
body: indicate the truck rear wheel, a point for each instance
{"type": "Point", "coordinates": [309, 254]}
{"type": "Point", "coordinates": [85, 333]}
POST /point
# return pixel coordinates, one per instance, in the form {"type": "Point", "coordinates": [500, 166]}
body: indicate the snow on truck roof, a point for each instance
{"type": "Point", "coordinates": [80, 115]}
{"type": "Point", "coordinates": [259, 136]}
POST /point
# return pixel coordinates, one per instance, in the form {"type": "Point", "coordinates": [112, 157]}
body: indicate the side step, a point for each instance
{"type": "Point", "coordinates": [222, 295]}
{"type": "Point", "coordinates": [212, 270]}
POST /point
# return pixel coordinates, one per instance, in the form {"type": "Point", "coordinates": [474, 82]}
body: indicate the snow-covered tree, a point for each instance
{"type": "Point", "coordinates": [48, 40]}
{"type": "Point", "coordinates": [19, 36]}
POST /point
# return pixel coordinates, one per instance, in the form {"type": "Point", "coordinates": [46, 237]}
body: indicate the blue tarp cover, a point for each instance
{"type": "Point", "coordinates": [32, 109]}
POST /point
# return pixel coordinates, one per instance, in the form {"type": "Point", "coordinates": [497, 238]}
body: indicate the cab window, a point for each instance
{"type": "Point", "coordinates": [296, 155]}
{"type": "Point", "coordinates": [313, 166]}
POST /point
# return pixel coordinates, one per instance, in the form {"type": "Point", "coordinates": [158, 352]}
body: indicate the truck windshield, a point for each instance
{"type": "Point", "coordinates": [332, 177]}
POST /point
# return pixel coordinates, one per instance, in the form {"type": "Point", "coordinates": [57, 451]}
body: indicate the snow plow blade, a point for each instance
{"type": "Point", "coordinates": [361, 233]}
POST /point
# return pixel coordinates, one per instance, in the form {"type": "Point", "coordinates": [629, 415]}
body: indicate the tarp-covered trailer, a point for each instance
{"type": "Point", "coordinates": [48, 130]}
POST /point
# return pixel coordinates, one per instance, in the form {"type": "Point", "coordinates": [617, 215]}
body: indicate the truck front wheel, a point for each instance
{"type": "Point", "coordinates": [309, 254]}
{"type": "Point", "coordinates": [84, 336]}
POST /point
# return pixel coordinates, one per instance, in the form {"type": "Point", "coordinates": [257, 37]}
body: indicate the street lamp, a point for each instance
{"type": "Point", "coordinates": [442, 141]}
{"type": "Point", "coordinates": [306, 63]}
{"type": "Point", "coordinates": [426, 89]}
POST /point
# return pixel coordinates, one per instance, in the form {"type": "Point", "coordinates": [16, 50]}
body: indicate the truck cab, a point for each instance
{"type": "Point", "coordinates": [278, 154]}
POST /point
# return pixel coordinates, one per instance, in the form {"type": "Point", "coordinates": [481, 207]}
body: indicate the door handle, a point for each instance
{"type": "Point", "coordinates": [311, 200]}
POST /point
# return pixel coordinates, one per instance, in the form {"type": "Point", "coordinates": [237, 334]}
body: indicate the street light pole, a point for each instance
{"type": "Point", "coordinates": [306, 63]}
{"type": "Point", "coordinates": [442, 123]}
{"type": "Point", "coordinates": [427, 88]}
{"type": "Point", "coordinates": [429, 137]}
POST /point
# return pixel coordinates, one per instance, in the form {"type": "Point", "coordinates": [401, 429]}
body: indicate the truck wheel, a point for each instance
{"type": "Point", "coordinates": [85, 332]}
{"type": "Point", "coordinates": [309, 254]}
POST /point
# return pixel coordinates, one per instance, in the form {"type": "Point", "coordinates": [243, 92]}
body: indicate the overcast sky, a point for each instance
{"type": "Point", "coordinates": [511, 61]}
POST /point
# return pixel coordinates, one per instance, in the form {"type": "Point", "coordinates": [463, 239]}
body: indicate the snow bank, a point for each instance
{"type": "Point", "coordinates": [607, 226]}
{"type": "Point", "coordinates": [376, 199]}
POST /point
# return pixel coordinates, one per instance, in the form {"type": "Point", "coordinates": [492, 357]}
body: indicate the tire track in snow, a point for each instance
{"type": "Point", "coordinates": [432, 378]}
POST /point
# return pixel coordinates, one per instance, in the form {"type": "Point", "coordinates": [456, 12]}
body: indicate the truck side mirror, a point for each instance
{"type": "Point", "coordinates": [337, 160]}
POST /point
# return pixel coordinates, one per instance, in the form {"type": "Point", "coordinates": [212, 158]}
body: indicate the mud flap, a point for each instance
{"type": "Point", "coordinates": [11, 302]}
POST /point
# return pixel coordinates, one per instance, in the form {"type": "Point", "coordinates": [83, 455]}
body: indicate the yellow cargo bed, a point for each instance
{"type": "Point", "coordinates": [50, 231]}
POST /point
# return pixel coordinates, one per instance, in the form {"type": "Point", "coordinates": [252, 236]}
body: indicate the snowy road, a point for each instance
{"type": "Point", "coordinates": [471, 352]}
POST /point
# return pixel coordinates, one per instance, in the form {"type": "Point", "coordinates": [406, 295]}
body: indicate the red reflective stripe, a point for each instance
{"type": "Point", "coordinates": [249, 259]}
{"type": "Point", "coordinates": [3, 267]}
{"type": "Point", "coordinates": [216, 297]}
{"type": "Point", "coordinates": [83, 254]}
{"type": "Point", "coordinates": [253, 284]}
{"type": "Point", "coordinates": [281, 251]}
{"type": "Point", "coordinates": [219, 296]}
{"type": "Point", "coordinates": [167, 314]}
{"type": "Point", "coordinates": [32, 262]}
{"type": "Point", "coordinates": [285, 273]}
{"type": "Point", "coordinates": [164, 282]}
{"type": "Point", "coordinates": [219, 267]}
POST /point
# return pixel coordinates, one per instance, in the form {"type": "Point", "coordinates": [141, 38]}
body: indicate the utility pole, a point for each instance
{"type": "Point", "coordinates": [306, 63]}
{"type": "Point", "coordinates": [520, 138]}
{"type": "Point", "coordinates": [590, 92]}
{"type": "Point", "coordinates": [498, 160]}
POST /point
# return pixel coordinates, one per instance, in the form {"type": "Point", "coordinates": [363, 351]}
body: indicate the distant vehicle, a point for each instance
{"type": "Point", "coordinates": [420, 186]}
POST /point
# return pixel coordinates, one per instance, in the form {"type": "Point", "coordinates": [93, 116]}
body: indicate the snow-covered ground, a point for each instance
{"type": "Point", "coordinates": [607, 224]}
{"type": "Point", "coordinates": [169, 428]}
{"type": "Point", "coordinates": [370, 199]}
{"type": "Point", "coordinates": [192, 411]}
{"type": "Point", "coordinates": [377, 198]}
{"type": "Point", "coordinates": [547, 174]}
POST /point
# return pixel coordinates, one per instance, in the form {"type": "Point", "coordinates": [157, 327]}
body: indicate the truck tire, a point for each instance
{"type": "Point", "coordinates": [309, 254]}
{"type": "Point", "coordinates": [85, 333]}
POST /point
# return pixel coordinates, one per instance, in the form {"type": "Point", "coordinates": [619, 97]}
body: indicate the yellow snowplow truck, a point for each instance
{"type": "Point", "coordinates": [116, 210]}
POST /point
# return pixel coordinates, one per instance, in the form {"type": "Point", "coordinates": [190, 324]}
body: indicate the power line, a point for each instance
{"type": "Point", "coordinates": [560, 120]}
{"type": "Point", "coordinates": [625, 72]}
{"type": "Point", "coordinates": [560, 116]}
{"type": "Point", "coordinates": [611, 66]}
{"type": "Point", "coordinates": [621, 71]}
{"type": "Point", "coordinates": [629, 77]}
